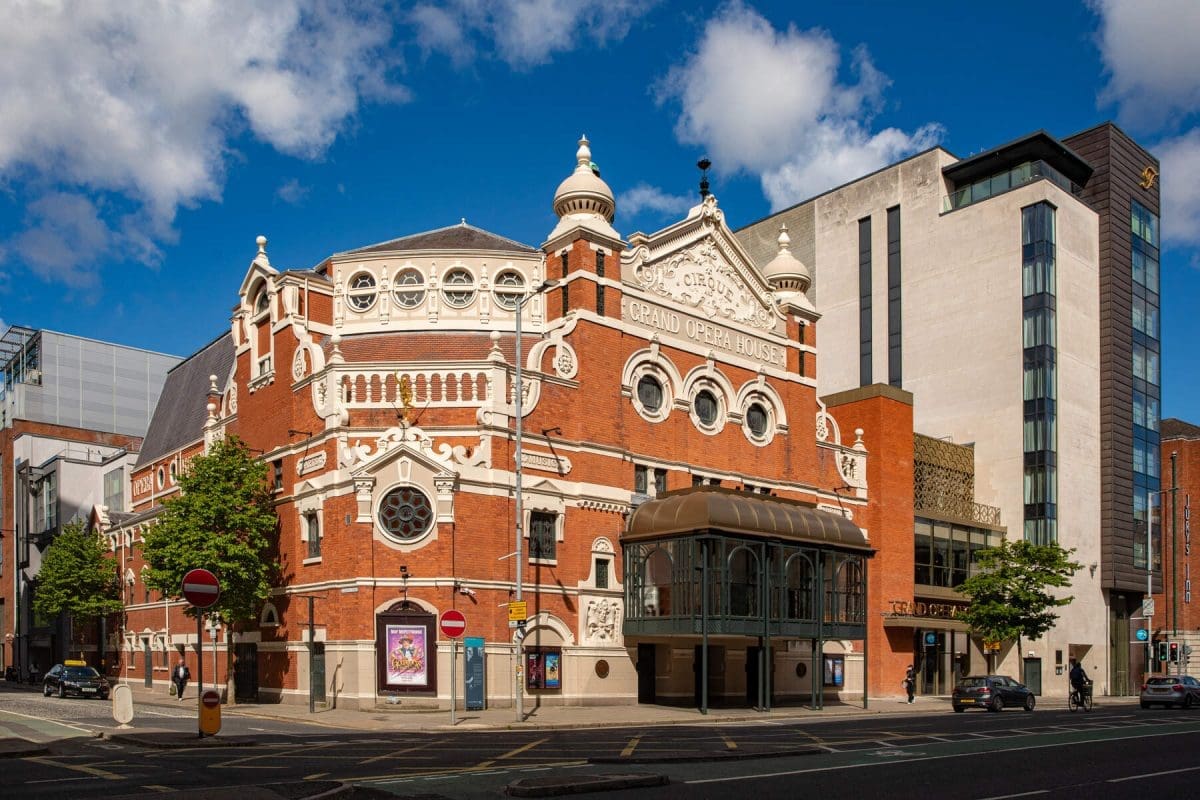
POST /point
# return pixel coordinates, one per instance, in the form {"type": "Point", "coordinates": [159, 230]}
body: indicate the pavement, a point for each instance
{"type": "Point", "coordinates": [398, 718]}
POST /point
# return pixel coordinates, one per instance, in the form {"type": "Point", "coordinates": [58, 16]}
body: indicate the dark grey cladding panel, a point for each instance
{"type": "Point", "coordinates": [182, 407]}
{"type": "Point", "coordinates": [453, 237]}
{"type": "Point", "coordinates": [761, 239]}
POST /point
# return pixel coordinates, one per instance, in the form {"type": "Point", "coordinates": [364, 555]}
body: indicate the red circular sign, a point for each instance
{"type": "Point", "coordinates": [200, 588]}
{"type": "Point", "coordinates": [211, 698]}
{"type": "Point", "coordinates": [453, 623]}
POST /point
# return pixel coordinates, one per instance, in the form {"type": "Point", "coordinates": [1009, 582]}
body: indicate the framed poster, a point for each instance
{"type": "Point", "coordinates": [543, 668]}
{"type": "Point", "coordinates": [552, 670]}
{"type": "Point", "coordinates": [407, 659]}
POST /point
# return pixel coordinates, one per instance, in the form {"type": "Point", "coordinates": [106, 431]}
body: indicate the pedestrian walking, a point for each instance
{"type": "Point", "coordinates": [910, 683]}
{"type": "Point", "coordinates": [180, 676]}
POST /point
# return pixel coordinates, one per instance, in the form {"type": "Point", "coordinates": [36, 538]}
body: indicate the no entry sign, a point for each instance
{"type": "Point", "coordinates": [211, 698]}
{"type": "Point", "coordinates": [453, 624]}
{"type": "Point", "coordinates": [200, 588]}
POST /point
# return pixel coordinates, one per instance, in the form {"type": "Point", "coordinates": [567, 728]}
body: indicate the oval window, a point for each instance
{"type": "Point", "coordinates": [706, 407]}
{"type": "Point", "coordinates": [756, 420]}
{"type": "Point", "coordinates": [650, 394]}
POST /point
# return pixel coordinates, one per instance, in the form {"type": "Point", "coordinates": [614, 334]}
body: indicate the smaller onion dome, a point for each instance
{"type": "Point", "coordinates": [785, 272]}
{"type": "Point", "coordinates": [583, 199]}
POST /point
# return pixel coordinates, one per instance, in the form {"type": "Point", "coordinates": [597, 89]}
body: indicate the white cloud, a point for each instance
{"type": "Point", "coordinates": [1149, 51]}
{"type": "Point", "coordinates": [140, 103]}
{"type": "Point", "coordinates": [1180, 160]}
{"type": "Point", "coordinates": [523, 33]}
{"type": "Point", "coordinates": [770, 102]}
{"type": "Point", "coordinates": [292, 192]}
{"type": "Point", "coordinates": [644, 197]}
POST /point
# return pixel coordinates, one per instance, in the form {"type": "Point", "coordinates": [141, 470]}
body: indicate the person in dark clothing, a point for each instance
{"type": "Point", "coordinates": [910, 683]}
{"type": "Point", "coordinates": [1079, 678]}
{"type": "Point", "coordinates": [180, 676]}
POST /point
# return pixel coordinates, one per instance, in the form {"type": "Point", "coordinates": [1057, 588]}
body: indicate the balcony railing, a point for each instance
{"type": "Point", "coordinates": [1009, 179]}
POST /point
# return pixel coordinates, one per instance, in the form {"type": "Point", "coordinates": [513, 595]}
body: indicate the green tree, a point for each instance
{"type": "Point", "coordinates": [77, 577]}
{"type": "Point", "coordinates": [223, 520]}
{"type": "Point", "coordinates": [1011, 594]}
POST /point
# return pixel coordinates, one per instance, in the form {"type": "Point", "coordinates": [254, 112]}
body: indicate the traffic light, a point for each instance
{"type": "Point", "coordinates": [1163, 651]}
{"type": "Point", "coordinates": [1174, 653]}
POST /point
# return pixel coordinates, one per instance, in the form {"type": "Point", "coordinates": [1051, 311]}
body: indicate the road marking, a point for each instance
{"type": "Point", "coordinates": [1021, 794]}
{"type": "Point", "coordinates": [395, 753]}
{"type": "Point", "coordinates": [242, 763]}
{"type": "Point", "coordinates": [93, 771]}
{"type": "Point", "coordinates": [158, 787]}
{"type": "Point", "coordinates": [315, 776]}
{"type": "Point", "coordinates": [629, 748]}
{"type": "Point", "coordinates": [729, 743]}
{"type": "Point", "coordinates": [510, 754]}
{"type": "Point", "coordinates": [839, 767]}
{"type": "Point", "coordinates": [1153, 774]}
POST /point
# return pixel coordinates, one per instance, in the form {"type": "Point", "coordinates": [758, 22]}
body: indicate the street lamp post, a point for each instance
{"type": "Point", "coordinates": [518, 388]}
{"type": "Point", "coordinates": [1150, 573]}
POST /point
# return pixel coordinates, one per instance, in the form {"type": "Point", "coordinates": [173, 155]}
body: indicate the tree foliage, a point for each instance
{"type": "Point", "coordinates": [223, 520]}
{"type": "Point", "coordinates": [1011, 594]}
{"type": "Point", "coordinates": [78, 576]}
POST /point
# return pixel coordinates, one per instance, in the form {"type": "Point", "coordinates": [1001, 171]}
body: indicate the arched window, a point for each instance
{"type": "Point", "coordinates": [656, 583]}
{"type": "Point", "coordinates": [799, 604]}
{"type": "Point", "coordinates": [743, 583]}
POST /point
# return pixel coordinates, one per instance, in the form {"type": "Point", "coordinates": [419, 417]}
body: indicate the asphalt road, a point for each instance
{"type": "Point", "coordinates": [1051, 753]}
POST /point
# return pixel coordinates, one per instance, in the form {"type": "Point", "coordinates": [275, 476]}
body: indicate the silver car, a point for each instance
{"type": "Point", "coordinates": [1171, 690]}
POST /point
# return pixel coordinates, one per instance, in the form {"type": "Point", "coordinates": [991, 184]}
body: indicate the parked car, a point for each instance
{"type": "Point", "coordinates": [993, 692]}
{"type": "Point", "coordinates": [75, 678]}
{"type": "Point", "coordinates": [1171, 690]}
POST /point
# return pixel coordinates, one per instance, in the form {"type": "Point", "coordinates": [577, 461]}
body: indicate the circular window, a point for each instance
{"type": "Point", "coordinates": [650, 394]}
{"type": "Point", "coordinates": [509, 288]}
{"type": "Point", "coordinates": [361, 294]}
{"type": "Point", "coordinates": [706, 407]}
{"type": "Point", "coordinates": [409, 291]}
{"type": "Point", "coordinates": [757, 418]}
{"type": "Point", "coordinates": [458, 288]}
{"type": "Point", "coordinates": [405, 512]}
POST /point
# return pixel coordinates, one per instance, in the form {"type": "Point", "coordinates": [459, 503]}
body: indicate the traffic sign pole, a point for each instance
{"type": "Point", "coordinates": [201, 589]}
{"type": "Point", "coordinates": [453, 625]}
{"type": "Point", "coordinates": [199, 671]}
{"type": "Point", "coordinates": [453, 681]}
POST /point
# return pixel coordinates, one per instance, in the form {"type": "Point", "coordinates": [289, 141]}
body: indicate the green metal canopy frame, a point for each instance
{"type": "Point", "coordinates": [712, 561]}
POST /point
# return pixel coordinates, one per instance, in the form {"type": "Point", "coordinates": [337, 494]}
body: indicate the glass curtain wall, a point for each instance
{"type": "Point", "coordinates": [1146, 373]}
{"type": "Point", "coordinates": [1040, 384]}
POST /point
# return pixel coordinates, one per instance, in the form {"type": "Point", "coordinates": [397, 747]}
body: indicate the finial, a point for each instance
{"type": "Point", "coordinates": [784, 239]}
{"type": "Point", "coordinates": [704, 164]}
{"type": "Point", "coordinates": [463, 222]}
{"type": "Point", "coordinates": [261, 241]}
{"type": "Point", "coordinates": [212, 384]}
{"type": "Point", "coordinates": [583, 156]}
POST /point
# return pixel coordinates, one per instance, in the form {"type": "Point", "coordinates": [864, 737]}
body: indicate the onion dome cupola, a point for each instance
{"type": "Point", "coordinates": [788, 276]}
{"type": "Point", "coordinates": [584, 200]}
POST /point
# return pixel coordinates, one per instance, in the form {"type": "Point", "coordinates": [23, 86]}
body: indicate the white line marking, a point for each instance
{"type": "Point", "coordinates": [914, 760]}
{"type": "Point", "coordinates": [1153, 774]}
{"type": "Point", "coordinates": [1022, 794]}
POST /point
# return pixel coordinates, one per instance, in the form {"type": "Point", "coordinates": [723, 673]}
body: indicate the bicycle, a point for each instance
{"type": "Point", "coordinates": [1080, 698]}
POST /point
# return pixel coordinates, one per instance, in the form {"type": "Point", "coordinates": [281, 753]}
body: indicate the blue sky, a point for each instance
{"type": "Point", "coordinates": [141, 154]}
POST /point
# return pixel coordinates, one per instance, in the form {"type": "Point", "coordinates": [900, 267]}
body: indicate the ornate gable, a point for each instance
{"type": "Point", "coordinates": [698, 264]}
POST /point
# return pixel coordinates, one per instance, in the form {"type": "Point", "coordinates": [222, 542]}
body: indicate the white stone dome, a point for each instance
{"type": "Point", "coordinates": [785, 271]}
{"type": "Point", "coordinates": [583, 193]}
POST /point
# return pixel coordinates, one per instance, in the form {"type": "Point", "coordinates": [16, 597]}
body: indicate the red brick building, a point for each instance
{"type": "Point", "coordinates": [666, 370]}
{"type": "Point", "coordinates": [1177, 612]}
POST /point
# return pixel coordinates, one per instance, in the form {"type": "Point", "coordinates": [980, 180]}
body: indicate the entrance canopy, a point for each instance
{"type": "Point", "coordinates": [726, 562]}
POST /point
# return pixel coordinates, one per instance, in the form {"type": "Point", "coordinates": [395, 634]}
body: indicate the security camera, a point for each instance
{"type": "Point", "coordinates": [469, 592]}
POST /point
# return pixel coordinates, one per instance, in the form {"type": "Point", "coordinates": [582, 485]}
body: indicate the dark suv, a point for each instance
{"type": "Point", "coordinates": [74, 678]}
{"type": "Point", "coordinates": [992, 692]}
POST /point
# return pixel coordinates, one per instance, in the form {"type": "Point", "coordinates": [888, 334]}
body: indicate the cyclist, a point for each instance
{"type": "Point", "coordinates": [1079, 681]}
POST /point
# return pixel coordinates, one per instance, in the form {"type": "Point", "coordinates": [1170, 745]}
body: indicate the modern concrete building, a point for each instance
{"type": "Point", "coordinates": [1015, 295]}
{"type": "Point", "coordinates": [72, 414]}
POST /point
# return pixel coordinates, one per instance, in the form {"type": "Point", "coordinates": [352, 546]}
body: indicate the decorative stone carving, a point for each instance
{"type": "Point", "coordinates": [363, 487]}
{"type": "Point", "coordinates": [299, 364]}
{"type": "Point", "coordinates": [546, 461]}
{"type": "Point", "coordinates": [601, 620]}
{"type": "Point", "coordinates": [566, 363]}
{"type": "Point", "coordinates": [699, 277]}
{"type": "Point", "coordinates": [311, 463]}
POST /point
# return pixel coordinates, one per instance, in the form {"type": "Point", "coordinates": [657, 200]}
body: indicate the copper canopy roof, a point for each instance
{"type": "Point", "coordinates": [727, 511]}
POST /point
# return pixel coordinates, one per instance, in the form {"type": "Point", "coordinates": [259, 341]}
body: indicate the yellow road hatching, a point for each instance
{"type": "Point", "coordinates": [629, 748]}
{"type": "Point", "coordinates": [93, 771]}
{"type": "Point", "coordinates": [512, 753]}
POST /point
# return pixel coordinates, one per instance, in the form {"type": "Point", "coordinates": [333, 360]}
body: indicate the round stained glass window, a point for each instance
{"type": "Point", "coordinates": [756, 420]}
{"type": "Point", "coordinates": [405, 512]}
{"type": "Point", "coordinates": [650, 393]}
{"type": "Point", "coordinates": [706, 408]}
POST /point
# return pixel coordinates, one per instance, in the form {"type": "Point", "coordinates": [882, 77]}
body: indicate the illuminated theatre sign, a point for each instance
{"type": "Point", "coordinates": [919, 608]}
{"type": "Point", "coordinates": [702, 332]}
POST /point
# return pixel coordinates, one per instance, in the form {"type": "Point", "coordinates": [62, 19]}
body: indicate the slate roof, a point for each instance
{"type": "Point", "coordinates": [1172, 428]}
{"type": "Point", "coordinates": [182, 407]}
{"type": "Point", "coordinates": [452, 237]}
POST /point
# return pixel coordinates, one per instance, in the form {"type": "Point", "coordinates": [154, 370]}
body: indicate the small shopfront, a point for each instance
{"type": "Point", "coordinates": [941, 644]}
